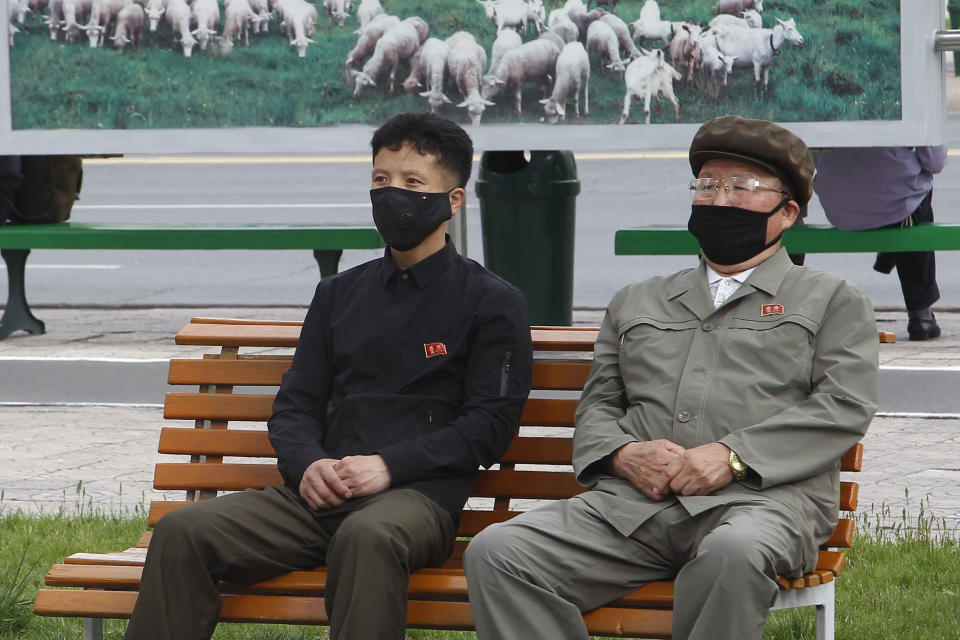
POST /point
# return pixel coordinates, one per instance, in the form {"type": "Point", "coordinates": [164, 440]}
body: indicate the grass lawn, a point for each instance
{"type": "Point", "coordinates": [902, 580]}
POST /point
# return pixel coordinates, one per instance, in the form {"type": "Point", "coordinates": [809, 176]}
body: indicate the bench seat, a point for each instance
{"type": "Point", "coordinates": [227, 454]}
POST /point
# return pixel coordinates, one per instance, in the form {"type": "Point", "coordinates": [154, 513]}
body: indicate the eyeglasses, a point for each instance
{"type": "Point", "coordinates": [737, 188]}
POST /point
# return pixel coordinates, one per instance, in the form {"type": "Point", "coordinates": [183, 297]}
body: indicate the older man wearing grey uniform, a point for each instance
{"type": "Point", "coordinates": [709, 433]}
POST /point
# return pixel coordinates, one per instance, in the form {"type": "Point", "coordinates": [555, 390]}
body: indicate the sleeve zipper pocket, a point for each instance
{"type": "Point", "coordinates": [505, 373]}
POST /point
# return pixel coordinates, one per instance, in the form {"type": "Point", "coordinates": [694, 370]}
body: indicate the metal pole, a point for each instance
{"type": "Point", "coordinates": [947, 40]}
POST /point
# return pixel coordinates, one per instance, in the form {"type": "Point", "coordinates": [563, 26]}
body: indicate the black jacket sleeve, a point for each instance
{"type": "Point", "coordinates": [298, 422]}
{"type": "Point", "coordinates": [498, 375]}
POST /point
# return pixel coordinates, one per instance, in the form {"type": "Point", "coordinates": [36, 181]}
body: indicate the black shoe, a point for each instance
{"type": "Point", "coordinates": [922, 325]}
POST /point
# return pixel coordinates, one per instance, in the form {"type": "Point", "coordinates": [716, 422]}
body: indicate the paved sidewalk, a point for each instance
{"type": "Point", "coordinates": [102, 456]}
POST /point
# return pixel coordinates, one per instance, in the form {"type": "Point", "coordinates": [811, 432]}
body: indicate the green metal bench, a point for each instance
{"type": "Point", "coordinates": [16, 241]}
{"type": "Point", "coordinates": [677, 241]}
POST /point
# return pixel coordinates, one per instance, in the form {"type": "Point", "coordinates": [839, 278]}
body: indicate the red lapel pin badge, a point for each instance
{"type": "Point", "coordinates": [434, 349]}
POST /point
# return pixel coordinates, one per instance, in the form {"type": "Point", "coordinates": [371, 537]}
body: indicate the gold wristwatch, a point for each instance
{"type": "Point", "coordinates": [737, 467]}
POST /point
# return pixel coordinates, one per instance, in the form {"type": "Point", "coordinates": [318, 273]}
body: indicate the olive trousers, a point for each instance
{"type": "Point", "coordinates": [535, 575]}
{"type": "Point", "coordinates": [370, 546]}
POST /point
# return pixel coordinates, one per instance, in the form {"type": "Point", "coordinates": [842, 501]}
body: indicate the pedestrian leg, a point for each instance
{"type": "Point", "coordinates": [241, 537]}
{"type": "Point", "coordinates": [370, 559]}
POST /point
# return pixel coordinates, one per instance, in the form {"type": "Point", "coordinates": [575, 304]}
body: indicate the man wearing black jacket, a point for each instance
{"type": "Point", "coordinates": [411, 371]}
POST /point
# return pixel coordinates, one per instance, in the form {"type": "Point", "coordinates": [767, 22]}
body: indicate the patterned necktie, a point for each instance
{"type": "Point", "coordinates": [725, 289]}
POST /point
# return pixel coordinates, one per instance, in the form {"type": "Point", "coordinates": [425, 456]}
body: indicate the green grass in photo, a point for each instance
{"type": "Point", "coordinates": [847, 69]}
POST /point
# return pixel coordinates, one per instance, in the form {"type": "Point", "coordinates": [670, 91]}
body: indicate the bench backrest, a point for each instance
{"type": "Point", "coordinates": [229, 449]}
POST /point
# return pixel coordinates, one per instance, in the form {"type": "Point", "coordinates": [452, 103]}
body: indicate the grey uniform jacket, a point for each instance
{"type": "Point", "coordinates": [785, 374]}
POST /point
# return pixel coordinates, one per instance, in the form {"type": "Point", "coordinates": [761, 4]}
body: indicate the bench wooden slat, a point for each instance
{"type": "Point", "coordinates": [558, 375]}
{"type": "Point", "coordinates": [852, 460]}
{"type": "Point", "coordinates": [236, 477]}
{"type": "Point", "coordinates": [287, 335]}
{"type": "Point", "coordinates": [849, 494]}
{"type": "Point", "coordinates": [832, 561]}
{"type": "Point", "coordinates": [256, 444]}
{"type": "Point", "coordinates": [132, 557]}
{"type": "Point", "coordinates": [258, 407]}
{"type": "Point", "coordinates": [310, 611]}
{"type": "Point", "coordinates": [210, 320]}
{"type": "Point", "coordinates": [842, 535]}
{"type": "Point", "coordinates": [209, 442]}
{"type": "Point", "coordinates": [228, 372]}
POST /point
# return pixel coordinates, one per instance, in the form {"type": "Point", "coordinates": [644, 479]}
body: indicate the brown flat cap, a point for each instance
{"type": "Point", "coordinates": [759, 142]}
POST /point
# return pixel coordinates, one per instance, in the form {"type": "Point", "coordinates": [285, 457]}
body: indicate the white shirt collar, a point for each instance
{"type": "Point", "coordinates": [713, 276]}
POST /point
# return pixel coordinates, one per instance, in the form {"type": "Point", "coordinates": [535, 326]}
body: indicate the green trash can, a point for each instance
{"type": "Point", "coordinates": [528, 216]}
{"type": "Point", "coordinates": [953, 8]}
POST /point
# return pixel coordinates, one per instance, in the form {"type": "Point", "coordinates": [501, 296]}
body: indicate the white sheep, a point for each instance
{"type": "Point", "coordinates": [563, 26]}
{"type": "Point", "coordinates": [537, 14]}
{"type": "Point", "coordinates": [465, 64]}
{"type": "Point", "coordinates": [716, 66]}
{"type": "Point", "coordinates": [337, 9]}
{"type": "Point", "coordinates": [736, 7]}
{"type": "Point", "coordinates": [534, 61]}
{"type": "Point", "coordinates": [12, 11]}
{"type": "Point", "coordinates": [685, 50]}
{"type": "Point", "coordinates": [510, 13]}
{"type": "Point", "coordinates": [261, 9]}
{"type": "Point", "coordinates": [102, 15]}
{"type": "Point", "coordinates": [19, 11]}
{"type": "Point", "coordinates": [206, 13]}
{"type": "Point", "coordinates": [367, 11]}
{"type": "Point", "coordinates": [433, 62]}
{"type": "Point", "coordinates": [155, 11]}
{"type": "Point", "coordinates": [489, 9]}
{"type": "Point", "coordinates": [299, 21]}
{"type": "Point", "coordinates": [757, 47]}
{"type": "Point", "coordinates": [602, 40]}
{"type": "Point", "coordinates": [642, 82]}
{"type": "Point", "coordinates": [54, 19]}
{"type": "Point", "coordinates": [627, 47]}
{"type": "Point", "coordinates": [750, 20]}
{"type": "Point", "coordinates": [663, 86]}
{"type": "Point", "coordinates": [506, 40]}
{"type": "Point", "coordinates": [236, 24]}
{"type": "Point", "coordinates": [395, 47]}
{"type": "Point", "coordinates": [130, 22]}
{"type": "Point", "coordinates": [573, 73]}
{"type": "Point", "coordinates": [75, 12]}
{"type": "Point", "coordinates": [367, 42]}
{"type": "Point", "coordinates": [177, 16]}
{"type": "Point", "coordinates": [649, 25]}
{"type": "Point", "coordinates": [583, 19]}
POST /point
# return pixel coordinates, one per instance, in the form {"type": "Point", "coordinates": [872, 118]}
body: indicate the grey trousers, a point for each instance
{"type": "Point", "coordinates": [534, 576]}
{"type": "Point", "coordinates": [370, 545]}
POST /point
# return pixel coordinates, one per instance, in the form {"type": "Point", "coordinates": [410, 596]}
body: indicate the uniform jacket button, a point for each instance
{"type": "Point", "coordinates": [683, 416]}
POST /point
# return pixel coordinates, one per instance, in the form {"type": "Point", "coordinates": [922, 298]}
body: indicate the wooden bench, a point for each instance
{"type": "Point", "coordinates": [327, 242]}
{"type": "Point", "coordinates": [536, 467]}
{"type": "Point", "coordinates": [677, 241]}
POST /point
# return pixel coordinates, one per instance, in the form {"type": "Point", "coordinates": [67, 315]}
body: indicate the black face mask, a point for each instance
{"type": "Point", "coordinates": [405, 218]}
{"type": "Point", "coordinates": [731, 235]}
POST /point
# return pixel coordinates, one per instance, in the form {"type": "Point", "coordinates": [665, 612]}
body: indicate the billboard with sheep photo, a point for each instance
{"type": "Point", "coordinates": [209, 64]}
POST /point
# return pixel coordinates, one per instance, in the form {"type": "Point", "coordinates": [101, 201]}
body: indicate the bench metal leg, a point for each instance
{"type": "Point", "coordinates": [17, 313]}
{"type": "Point", "coordinates": [825, 616]}
{"type": "Point", "coordinates": [328, 260]}
{"type": "Point", "coordinates": [92, 629]}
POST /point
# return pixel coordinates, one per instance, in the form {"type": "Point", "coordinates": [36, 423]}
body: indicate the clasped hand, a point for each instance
{"type": "Point", "coordinates": [661, 467]}
{"type": "Point", "coordinates": [329, 482]}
